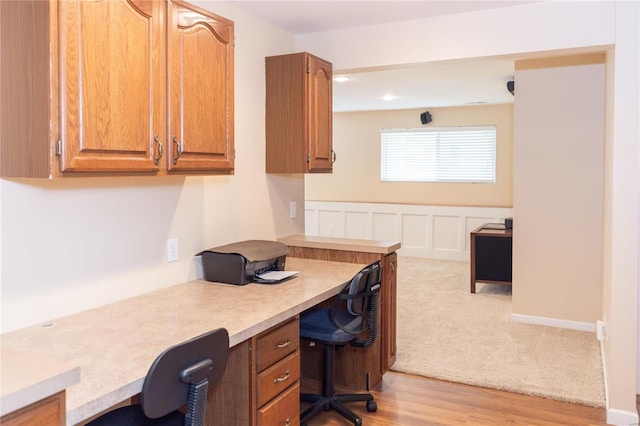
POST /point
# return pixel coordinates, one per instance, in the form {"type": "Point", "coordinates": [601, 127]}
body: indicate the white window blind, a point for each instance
{"type": "Point", "coordinates": [444, 154]}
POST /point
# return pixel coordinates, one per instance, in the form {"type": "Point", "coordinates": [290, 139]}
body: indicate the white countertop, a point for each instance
{"type": "Point", "coordinates": [27, 378]}
{"type": "Point", "coordinates": [115, 344]}
{"type": "Point", "coordinates": [347, 244]}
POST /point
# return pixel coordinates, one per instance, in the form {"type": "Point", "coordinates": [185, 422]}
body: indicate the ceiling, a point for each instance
{"type": "Point", "coordinates": [429, 85]}
{"type": "Point", "coordinates": [432, 85]}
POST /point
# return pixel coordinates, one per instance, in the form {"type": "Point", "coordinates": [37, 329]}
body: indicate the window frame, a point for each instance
{"type": "Point", "coordinates": [445, 167]}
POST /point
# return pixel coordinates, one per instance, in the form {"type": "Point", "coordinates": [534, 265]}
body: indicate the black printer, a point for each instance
{"type": "Point", "coordinates": [241, 262]}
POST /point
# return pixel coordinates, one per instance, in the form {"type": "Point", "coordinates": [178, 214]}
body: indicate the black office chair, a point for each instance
{"type": "Point", "coordinates": [178, 377]}
{"type": "Point", "coordinates": [354, 312]}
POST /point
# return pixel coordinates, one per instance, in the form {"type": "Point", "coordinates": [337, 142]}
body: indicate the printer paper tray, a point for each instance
{"type": "Point", "coordinates": [274, 277]}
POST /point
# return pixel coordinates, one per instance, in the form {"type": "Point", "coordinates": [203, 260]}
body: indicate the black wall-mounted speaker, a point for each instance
{"type": "Point", "coordinates": [511, 86]}
{"type": "Point", "coordinates": [425, 117]}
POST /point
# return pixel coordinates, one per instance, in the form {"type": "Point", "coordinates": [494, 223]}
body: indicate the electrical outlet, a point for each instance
{"type": "Point", "coordinates": [172, 249]}
{"type": "Point", "coordinates": [293, 210]}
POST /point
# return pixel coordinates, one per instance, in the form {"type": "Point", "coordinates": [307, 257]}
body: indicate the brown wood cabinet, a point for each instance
{"type": "Point", "coordinates": [261, 382]}
{"type": "Point", "coordinates": [49, 411]}
{"type": "Point", "coordinates": [200, 63]}
{"type": "Point", "coordinates": [277, 375]}
{"type": "Point", "coordinates": [114, 87]}
{"type": "Point", "coordinates": [299, 114]}
{"type": "Point", "coordinates": [355, 368]}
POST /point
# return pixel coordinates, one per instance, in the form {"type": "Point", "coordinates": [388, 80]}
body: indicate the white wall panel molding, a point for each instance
{"type": "Point", "coordinates": [438, 232]}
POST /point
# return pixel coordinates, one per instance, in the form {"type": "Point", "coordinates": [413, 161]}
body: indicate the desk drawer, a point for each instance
{"type": "Point", "coordinates": [276, 344]}
{"type": "Point", "coordinates": [282, 411]}
{"type": "Point", "coordinates": [278, 377]}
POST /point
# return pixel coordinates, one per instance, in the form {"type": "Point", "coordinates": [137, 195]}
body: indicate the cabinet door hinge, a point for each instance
{"type": "Point", "coordinates": [58, 147]}
{"type": "Point", "coordinates": [308, 68]}
{"type": "Point", "coordinates": [308, 157]}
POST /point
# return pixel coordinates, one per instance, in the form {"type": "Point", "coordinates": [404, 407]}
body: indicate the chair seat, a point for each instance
{"type": "Point", "coordinates": [132, 415]}
{"type": "Point", "coordinates": [317, 326]}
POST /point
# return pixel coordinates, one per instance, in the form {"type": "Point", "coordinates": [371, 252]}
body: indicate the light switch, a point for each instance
{"type": "Point", "coordinates": [292, 210]}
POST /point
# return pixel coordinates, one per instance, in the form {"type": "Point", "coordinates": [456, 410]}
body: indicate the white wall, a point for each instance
{"type": "Point", "coordinates": [531, 27]}
{"type": "Point", "coordinates": [621, 216]}
{"type": "Point", "coordinates": [72, 244]}
{"type": "Point", "coordinates": [529, 30]}
{"type": "Point", "coordinates": [558, 171]}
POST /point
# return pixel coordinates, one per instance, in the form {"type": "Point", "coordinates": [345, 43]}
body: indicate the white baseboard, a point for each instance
{"type": "Point", "coordinates": [621, 418]}
{"type": "Point", "coordinates": [604, 374]}
{"type": "Point", "coordinates": [554, 322]}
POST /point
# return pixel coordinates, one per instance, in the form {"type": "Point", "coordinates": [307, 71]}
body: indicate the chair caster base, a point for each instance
{"type": "Point", "coordinates": [372, 406]}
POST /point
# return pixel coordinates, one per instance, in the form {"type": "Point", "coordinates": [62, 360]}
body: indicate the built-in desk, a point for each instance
{"type": "Point", "coordinates": [33, 388]}
{"type": "Point", "coordinates": [114, 345]}
{"type": "Point", "coordinates": [356, 368]}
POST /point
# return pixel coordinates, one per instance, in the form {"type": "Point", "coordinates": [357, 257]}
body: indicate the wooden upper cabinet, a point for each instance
{"type": "Point", "coordinates": [110, 86]}
{"type": "Point", "coordinates": [114, 87]}
{"type": "Point", "coordinates": [298, 114]}
{"type": "Point", "coordinates": [320, 115]}
{"type": "Point", "coordinates": [200, 57]}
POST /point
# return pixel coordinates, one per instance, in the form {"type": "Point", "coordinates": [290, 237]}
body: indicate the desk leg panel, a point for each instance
{"type": "Point", "coordinates": [228, 402]}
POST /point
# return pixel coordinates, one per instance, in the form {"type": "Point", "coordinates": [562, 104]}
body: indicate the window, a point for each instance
{"type": "Point", "coordinates": [444, 154]}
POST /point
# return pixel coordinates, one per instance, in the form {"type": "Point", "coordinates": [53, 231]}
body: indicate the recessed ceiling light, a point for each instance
{"type": "Point", "coordinates": [341, 78]}
{"type": "Point", "coordinates": [389, 97]}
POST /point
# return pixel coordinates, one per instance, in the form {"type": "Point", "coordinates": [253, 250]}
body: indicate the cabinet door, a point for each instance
{"type": "Point", "coordinates": [320, 114]}
{"type": "Point", "coordinates": [111, 86]}
{"type": "Point", "coordinates": [200, 60]}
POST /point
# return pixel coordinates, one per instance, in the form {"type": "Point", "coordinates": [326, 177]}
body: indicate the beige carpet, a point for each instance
{"type": "Point", "coordinates": [447, 333]}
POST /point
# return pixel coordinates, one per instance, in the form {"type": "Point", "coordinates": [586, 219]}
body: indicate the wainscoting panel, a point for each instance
{"type": "Point", "coordinates": [330, 222]}
{"type": "Point", "coordinates": [385, 227]}
{"type": "Point", "coordinates": [415, 230]}
{"type": "Point", "coordinates": [439, 232]}
{"type": "Point", "coordinates": [446, 233]}
{"type": "Point", "coordinates": [358, 225]}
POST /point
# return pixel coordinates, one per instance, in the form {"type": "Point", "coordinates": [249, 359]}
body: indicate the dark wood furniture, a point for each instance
{"type": "Point", "coordinates": [491, 255]}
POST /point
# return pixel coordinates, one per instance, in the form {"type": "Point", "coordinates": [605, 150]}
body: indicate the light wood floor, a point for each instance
{"type": "Point", "coordinates": [406, 400]}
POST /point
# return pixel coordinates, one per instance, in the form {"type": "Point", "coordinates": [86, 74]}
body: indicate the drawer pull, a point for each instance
{"type": "Point", "coordinates": [282, 345]}
{"type": "Point", "coordinates": [283, 378]}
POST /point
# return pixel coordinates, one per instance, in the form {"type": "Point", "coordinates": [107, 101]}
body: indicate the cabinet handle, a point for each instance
{"type": "Point", "coordinates": [283, 378]}
{"type": "Point", "coordinates": [333, 156]}
{"type": "Point", "coordinates": [156, 160]}
{"type": "Point", "coordinates": [282, 345]}
{"type": "Point", "coordinates": [178, 150]}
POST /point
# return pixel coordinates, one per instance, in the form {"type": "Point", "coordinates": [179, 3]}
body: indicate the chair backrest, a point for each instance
{"type": "Point", "coordinates": [359, 312]}
{"type": "Point", "coordinates": [180, 376]}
